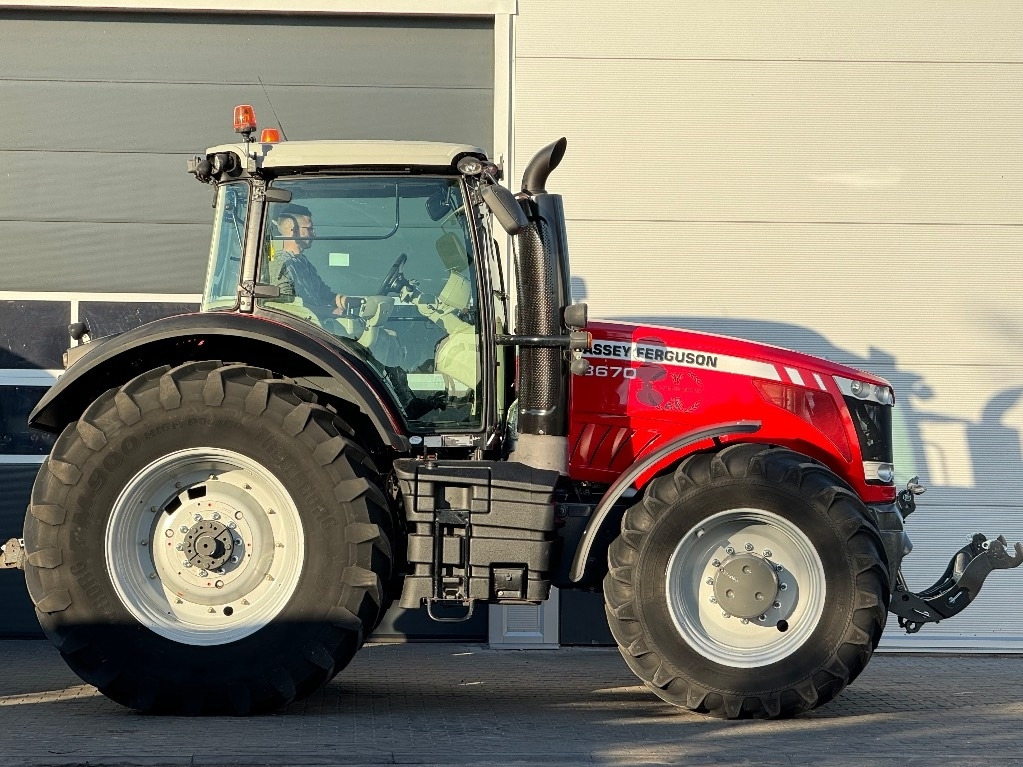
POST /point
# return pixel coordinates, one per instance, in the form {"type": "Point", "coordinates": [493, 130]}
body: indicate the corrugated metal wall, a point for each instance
{"type": "Point", "coordinates": [100, 112]}
{"type": "Point", "coordinates": [843, 179]}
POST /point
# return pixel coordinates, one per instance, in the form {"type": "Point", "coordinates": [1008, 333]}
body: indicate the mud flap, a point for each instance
{"type": "Point", "coordinates": [957, 587]}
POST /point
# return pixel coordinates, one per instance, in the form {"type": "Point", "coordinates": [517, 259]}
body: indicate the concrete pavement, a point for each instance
{"type": "Point", "coordinates": [449, 704]}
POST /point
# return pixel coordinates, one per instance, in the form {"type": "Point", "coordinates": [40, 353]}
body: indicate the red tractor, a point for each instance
{"type": "Point", "coordinates": [352, 418]}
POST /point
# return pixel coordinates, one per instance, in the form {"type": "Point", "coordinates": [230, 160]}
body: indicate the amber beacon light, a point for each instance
{"type": "Point", "coordinates": [244, 120]}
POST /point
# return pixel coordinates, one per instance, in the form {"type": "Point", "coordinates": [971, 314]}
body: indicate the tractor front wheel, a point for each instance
{"type": "Point", "coordinates": [749, 583]}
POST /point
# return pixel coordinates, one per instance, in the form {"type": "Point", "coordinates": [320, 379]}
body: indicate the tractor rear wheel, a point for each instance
{"type": "Point", "coordinates": [207, 539]}
{"type": "Point", "coordinates": [749, 583]}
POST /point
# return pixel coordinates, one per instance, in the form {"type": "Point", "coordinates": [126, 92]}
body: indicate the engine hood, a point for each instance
{"type": "Point", "coordinates": [694, 349]}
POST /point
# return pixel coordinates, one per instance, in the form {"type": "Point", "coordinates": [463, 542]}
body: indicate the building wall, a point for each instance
{"type": "Point", "coordinates": [839, 178]}
{"type": "Point", "coordinates": [101, 219]}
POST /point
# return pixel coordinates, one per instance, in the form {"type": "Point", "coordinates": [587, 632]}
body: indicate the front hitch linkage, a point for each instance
{"type": "Point", "coordinates": [959, 585]}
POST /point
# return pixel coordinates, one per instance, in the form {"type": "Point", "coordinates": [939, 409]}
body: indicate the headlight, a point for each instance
{"type": "Point", "coordinates": [874, 471]}
{"type": "Point", "coordinates": [883, 395]}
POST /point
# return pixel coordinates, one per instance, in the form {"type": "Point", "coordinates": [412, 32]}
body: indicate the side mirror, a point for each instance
{"type": "Point", "coordinates": [506, 209]}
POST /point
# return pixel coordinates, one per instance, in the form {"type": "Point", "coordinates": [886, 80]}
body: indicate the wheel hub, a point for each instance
{"type": "Point", "coordinates": [746, 585]}
{"type": "Point", "coordinates": [208, 544]}
{"type": "Point", "coordinates": [205, 546]}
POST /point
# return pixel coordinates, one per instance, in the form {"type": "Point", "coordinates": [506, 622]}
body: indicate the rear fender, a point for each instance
{"type": "Point", "coordinates": [325, 366]}
{"type": "Point", "coordinates": [643, 470]}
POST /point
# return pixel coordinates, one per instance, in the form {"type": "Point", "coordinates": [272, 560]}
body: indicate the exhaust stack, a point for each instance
{"type": "Point", "coordinates": [543, 290]}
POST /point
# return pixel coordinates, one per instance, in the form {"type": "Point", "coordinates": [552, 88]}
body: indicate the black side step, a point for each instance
{"type": "Point", "coordinates": [957, 587]}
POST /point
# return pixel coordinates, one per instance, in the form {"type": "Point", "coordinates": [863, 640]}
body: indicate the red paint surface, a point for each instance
{"type": "Point", "coordinates": [626, 408]}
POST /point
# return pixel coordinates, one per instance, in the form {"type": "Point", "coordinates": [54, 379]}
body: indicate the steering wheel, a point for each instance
{"type": "Point", "coordinates": [394, 278]}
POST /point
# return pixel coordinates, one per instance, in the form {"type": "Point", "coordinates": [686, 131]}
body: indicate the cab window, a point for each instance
{"type": "Point", "coordinates": [221, 291]}
{"type": "Point", "coordinates": [384, 264]}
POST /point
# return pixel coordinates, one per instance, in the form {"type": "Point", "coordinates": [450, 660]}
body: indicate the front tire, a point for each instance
{"type": "Point", "coordinates": [749, 583]}
{"type": "Point", "coordinates": [207, 539]}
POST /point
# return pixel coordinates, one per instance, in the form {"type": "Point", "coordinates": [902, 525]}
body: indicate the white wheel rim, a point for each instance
{"type": "Point", "coordinates": [767, 541]}
{"type": "Point", "coordinates": [173, 509]}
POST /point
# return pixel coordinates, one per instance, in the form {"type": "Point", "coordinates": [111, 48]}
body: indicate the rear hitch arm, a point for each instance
{"type": "Point", "coordinates": [957, 587]}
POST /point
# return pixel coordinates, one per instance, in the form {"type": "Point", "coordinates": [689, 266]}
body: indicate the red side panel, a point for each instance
{"type": "Point", "coordinates": [647, 385]}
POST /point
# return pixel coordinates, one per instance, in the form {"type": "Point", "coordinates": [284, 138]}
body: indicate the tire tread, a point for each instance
{"type": "Point", "coordinates": [811, 480]}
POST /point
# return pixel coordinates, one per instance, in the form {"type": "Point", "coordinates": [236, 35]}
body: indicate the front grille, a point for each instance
{"type": "Point", "coordinates": [873, 424]}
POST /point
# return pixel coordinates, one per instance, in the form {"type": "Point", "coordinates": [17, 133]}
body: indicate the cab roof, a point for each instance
{"type": "Point", "coordinates": [315, 154]}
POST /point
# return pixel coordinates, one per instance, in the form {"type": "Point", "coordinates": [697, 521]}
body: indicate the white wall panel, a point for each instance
{"type": "Point", "coordinates": [979, 30]}
{"type": "Point", "coordinates": [779, 141]}
{"type": "Point", "coordinates": [839, 178]}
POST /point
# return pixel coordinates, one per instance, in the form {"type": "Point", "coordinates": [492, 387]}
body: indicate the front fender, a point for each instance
{"type": "Point", "coordinates": [249, 339]}
{"type": "Point", "coordinates": [670, 453]}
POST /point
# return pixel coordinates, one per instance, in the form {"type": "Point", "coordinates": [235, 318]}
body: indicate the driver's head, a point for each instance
{"type": "Point", "coordinates": [295, 224]}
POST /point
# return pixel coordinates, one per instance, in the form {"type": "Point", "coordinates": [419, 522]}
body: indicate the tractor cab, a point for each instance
{"type": "Point", "coordinates": [385, 247]}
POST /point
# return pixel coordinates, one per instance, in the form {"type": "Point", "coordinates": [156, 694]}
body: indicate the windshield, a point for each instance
{"type": "Point", "coordinates": [384, 263]}
{"type": "Point", "coordinates": [221, 290]}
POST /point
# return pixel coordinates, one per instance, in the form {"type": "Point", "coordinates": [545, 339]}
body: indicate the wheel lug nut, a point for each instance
{"type": "Point", "coordinates": [186, 563]}
{"type": "Point", "coordinates": [713, 600]}
{"type": "Point", "coordinates": [729, 550]}
{"type": "Point", "coordinates": [234, 560]}
{"type": "Point", "coordinates": [749, 547]}
{"type": "Point", "coordinates": [783, 586]}
{"type": "Point", "coordinates": [232, 525]}
{"type": "Point", "coordinates": [762, 618]}
{"type": "Point", "coordinates": [710, 581]}
{"type": "Point", "coordinates": [180, 547]}
{"type": "Point", "coordinates": [152, 576]}
{"type": "Point", "coordinates": [776, 605]}
{"type": "Point", "coordinates": [767, 553]}
{"type": "Point", "coordinates": [716, 563]}
{"type": "Point", "coordinates": [183, 528]}
{"type": "Point", "coordinates": [779, 568]}
{"type": "Point", "coordinates": [203, 573]}
{"type": "Point", "coordinates": [216, 515]}
{"type": "Point", "coordinates": [744, 621]}
{"type": "Point", "coordinates": [197, 517]}
{"type": "Point", "coordinates": [725, 614]}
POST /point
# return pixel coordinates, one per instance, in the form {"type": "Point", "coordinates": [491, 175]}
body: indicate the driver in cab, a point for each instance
{"type": "Point", "coordinates": [291, 271]}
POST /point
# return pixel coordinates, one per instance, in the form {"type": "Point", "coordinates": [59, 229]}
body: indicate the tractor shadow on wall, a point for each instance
{"type": "Point", "coordinates": [923, 436]}
{"type": "Point", "coordinates": [994, 474]}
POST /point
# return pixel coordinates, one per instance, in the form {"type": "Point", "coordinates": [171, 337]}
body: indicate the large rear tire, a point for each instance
{"type": "Point", "coordinates": [749, 583]}
{"type": "Point", "coordinates": [207, 540]}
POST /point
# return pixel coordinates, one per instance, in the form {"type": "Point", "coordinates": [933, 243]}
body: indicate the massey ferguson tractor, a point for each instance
{"type": "Point", "coordinates": [360, 414]}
